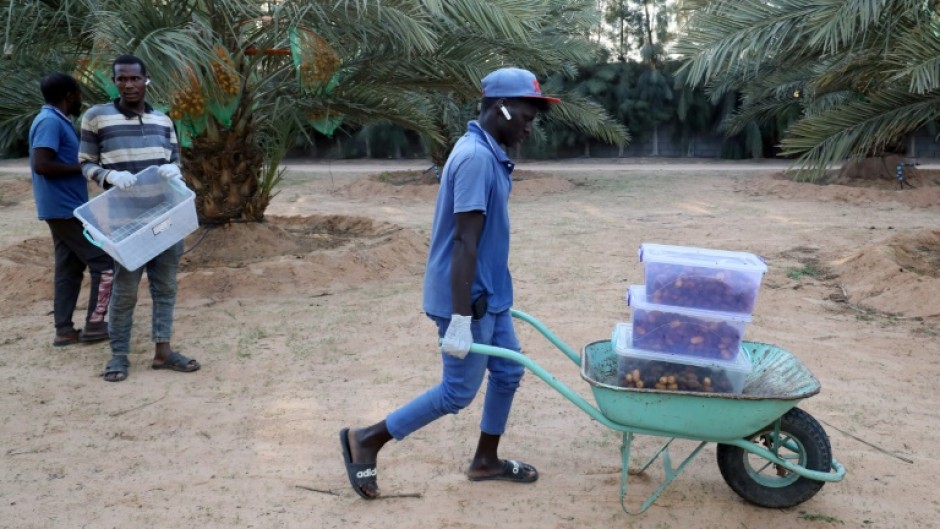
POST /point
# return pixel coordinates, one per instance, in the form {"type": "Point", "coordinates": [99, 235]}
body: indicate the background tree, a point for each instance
{"type": "Point", "coordinates": [847, 79]}
{"type": "Point", "coordinates": [243, 78]}
{"type": "Point", "coordinates": [599, 83]}
{"type": "Point", "coordinates": [642, 28]}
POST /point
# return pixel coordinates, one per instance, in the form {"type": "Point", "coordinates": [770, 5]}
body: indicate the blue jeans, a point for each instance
{"type": "Point", "coordinates": [161, 274]}
{"type": "Point", "coordinates": [462, 380]}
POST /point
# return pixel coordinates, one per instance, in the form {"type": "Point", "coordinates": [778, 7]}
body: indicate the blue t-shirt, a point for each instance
{"type": "Point", "coordinates": [56, 198]}
{"type": "Point", "coordinates": [476, 177]}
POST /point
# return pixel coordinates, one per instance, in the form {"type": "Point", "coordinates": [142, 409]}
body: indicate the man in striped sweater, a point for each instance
{"type": "Point", "coordinates": [119, 139]}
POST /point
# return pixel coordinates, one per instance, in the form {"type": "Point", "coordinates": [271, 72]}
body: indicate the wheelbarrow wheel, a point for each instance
{"type": "Point", "coordinates": [802, 441]}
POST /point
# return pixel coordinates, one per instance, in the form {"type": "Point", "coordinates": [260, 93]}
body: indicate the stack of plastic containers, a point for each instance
{"type": "Point", "coordinates": [688, 320]}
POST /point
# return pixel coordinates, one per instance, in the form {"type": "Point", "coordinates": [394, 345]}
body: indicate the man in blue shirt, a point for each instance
{"type": "Point", "coordinates": [468, 289]}
{"type": "Point", "coordinates": [59, 187]}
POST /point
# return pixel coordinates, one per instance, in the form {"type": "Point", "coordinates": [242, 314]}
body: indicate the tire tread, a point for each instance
{"type": "Point", "coordinates": [798, 424]}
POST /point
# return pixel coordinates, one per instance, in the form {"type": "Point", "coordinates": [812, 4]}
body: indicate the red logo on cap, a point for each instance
{"type": "Point", "coordinates": [536, 87]}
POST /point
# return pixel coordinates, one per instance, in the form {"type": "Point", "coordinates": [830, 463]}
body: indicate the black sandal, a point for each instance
{"type": "Point", "coordinates": [116, 369]}
{"type": "Point", "coordinates": [178, 362]}
{"type": "Point", "coordinates": [515, 471]}
{"type": "Point", "coordinates": [360, 474]}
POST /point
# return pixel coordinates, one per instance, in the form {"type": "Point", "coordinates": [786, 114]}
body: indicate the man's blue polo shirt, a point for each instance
{"type": "Point", "coordinates": [56, 198]}
{"type": "Point", "coordinates": [476, 177]}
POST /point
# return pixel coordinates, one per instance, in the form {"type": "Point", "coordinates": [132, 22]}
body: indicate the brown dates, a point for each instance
{"type": "Point", "coordinates": [652, 374]}
{"type": "Point", "coordinates": [671, 332]}
{"type": "Point", "coordinates": [701, 288]}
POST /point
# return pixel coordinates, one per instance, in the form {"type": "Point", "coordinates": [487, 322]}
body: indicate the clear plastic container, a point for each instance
{"type": "Point", "coordinates": [638, 368]}
{"type": "Point", "coordinates": [700, 278]}
{"type": "Point", "coordinates": [136, 224]}
{"type": "Point", "coordinates": [685, 331]}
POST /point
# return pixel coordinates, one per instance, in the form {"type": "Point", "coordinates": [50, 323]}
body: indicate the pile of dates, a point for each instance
{"type": "Point", "coordinates": [636, 373]}
{"type": "Point", "coordinates": [684, 286]}
{"type": "Point", "coordinates": [670, 332]}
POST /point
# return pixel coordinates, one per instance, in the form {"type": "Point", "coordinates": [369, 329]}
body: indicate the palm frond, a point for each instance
{"type": "Point", "coordinates": [859, 128]}
{"type": "Point", "coordinates": [44, 27]}
{"type": "Point", "coordinates": [917, 56]}
{"type": "Point", "coordinates": [866, 71]}
{"type": "Point", "coordinates": [363, 104]}
{"type": "Point", "coordinates": [372, 25]}
{"type": "Point", "coordinates": [18, 108]}
{"type": "Point", "coordinates": [763, 112]}
{"type": "Point", "coordinates": [22, 99]}
{"type": "Point", "coordinates": [838, 23]}
{"type": "Point", "coordinates": [587, 116]}
{"type": "Point", "coordinates": [730, 33]}
{"type": "Point", "coordinates": [513, 20]}
{"type": "Point", "coordinates": [822, 103]}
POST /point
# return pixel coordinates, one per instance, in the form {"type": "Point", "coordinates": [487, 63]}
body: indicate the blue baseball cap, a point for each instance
{"type": "Point", "coordinates": [514, 82]}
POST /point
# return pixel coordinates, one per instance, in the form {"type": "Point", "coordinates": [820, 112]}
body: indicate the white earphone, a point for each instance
{"type": "Point", "coordinates": [147, 82]}
{"type": "Point", "coordinates": [505, 112]}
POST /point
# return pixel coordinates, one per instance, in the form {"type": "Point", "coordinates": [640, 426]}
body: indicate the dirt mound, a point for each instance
{"type": "Point", "coordinates": [861, 192]}
{"type": "Point", "coordinates": [900, 275]}
{"type": "Point", "coordinates": [405, 178]}
{"type": "Point", "coordinates": [26, 272]}
{"type": "Point", "coordinates": [316, 254]}
{"type": "Point", "coordinates": [31, 252]}
{"type": "Point", "coordinates": [881, 172]}
{"type": "Point", "coordinates": [12, 192]}
{"type": "Point", "coordinates": [423, 186]}
{"type": "Point", "coordinates": [380, 192]}
{"type": "Point", "coordinates": [237, 245]}
{"type": "Point", "coordinates": [535, 184]}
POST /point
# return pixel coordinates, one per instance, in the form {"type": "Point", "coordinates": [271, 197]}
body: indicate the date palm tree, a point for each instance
{"type": "Point", "coordinates": [241, 78]}
{"type": "Point", "coordinates": [848, 79]}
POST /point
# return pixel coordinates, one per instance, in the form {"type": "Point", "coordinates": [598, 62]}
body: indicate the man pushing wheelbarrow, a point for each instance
{"type": "Point", "coordinates": [682, 373]}
{"type": "Point", "coordinates": [468, 289]}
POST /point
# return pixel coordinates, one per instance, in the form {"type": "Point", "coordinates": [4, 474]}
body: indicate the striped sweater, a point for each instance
{"type": "Point", "coordinates": [114, 139]}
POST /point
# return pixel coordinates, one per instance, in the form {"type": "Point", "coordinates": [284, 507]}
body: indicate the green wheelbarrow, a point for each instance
{"type": "Point", "coordinates": [769, 452]}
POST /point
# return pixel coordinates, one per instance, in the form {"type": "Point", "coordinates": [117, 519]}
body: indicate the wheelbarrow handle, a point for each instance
{"type": "Point", "coordinates": [549, 335]}
{"type": "Point", "coordinates": [540, 372]}
{"type": "Point", "coordinates": [549, 379]}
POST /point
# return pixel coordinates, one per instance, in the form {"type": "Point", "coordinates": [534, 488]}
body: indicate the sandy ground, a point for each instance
{"type": "Point", "coordinates": [313, 321]}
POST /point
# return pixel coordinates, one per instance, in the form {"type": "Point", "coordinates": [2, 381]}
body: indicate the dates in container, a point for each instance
{"type": "Point", "coordinates": [636, 373]}
{"type": "Point", "coordinates": [673, 332]}
{"type": "Point", "coordinates": [702, 288]}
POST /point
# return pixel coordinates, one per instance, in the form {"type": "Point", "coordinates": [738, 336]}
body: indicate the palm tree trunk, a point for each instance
{"type": "Point", "coordinates": [224, 175]}
{"type": "Point", "coordinates": [655, 140]}
{"type": "Point", "coordinates": [224, 170]}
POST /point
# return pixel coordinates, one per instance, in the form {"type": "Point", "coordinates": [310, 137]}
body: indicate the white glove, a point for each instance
{"type": "Point", "coordinates": [458, 338]}
{"type": "Point", "coordinates": [121, 179]}
{"type": "Point", "coordinates": [169, 171]}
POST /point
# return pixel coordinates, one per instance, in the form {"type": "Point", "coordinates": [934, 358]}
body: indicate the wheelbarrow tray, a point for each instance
{"type": "Point", "coordinates": [778, 382]}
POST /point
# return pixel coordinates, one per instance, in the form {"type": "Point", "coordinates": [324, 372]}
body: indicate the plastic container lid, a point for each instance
{"type": "Point", "coordinates": [704, 257]}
